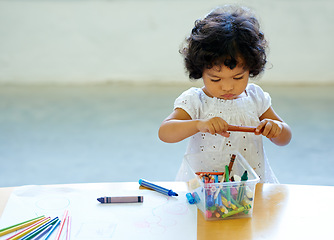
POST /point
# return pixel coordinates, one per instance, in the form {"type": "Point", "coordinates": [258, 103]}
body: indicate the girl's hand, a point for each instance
{"type": "Point", "coordinates": [269, 128]}
{"type": "Point", "coordinates": [213, 126]}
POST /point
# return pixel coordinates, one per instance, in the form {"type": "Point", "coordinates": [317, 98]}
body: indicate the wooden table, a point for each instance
{"type": "Point", "coordinates": [280, 212]}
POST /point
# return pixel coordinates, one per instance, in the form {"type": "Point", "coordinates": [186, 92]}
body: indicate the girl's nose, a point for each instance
{"type": "Point", "coordinates": [227, 86]}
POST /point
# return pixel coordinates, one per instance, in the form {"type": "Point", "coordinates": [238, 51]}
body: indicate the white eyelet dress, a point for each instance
{"type": "Point", "coordinates": [244, 111]}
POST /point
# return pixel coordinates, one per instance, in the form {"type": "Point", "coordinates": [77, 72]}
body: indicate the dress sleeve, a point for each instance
{"type": "Point", "coordinates": [263, 99]}
{"type": "Point", "coordinates": [188, 101]}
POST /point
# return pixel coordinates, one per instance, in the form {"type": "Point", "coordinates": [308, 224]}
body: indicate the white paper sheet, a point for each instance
{"type": "Point", "coordinates": [158, 217]}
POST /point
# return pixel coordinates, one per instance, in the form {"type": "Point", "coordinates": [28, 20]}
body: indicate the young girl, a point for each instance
{"type": "Point", "coordinates": [225, 49]}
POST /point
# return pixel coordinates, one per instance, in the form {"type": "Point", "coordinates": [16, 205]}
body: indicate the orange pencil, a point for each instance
{"type": "Point", "coordinates": [234, 128]}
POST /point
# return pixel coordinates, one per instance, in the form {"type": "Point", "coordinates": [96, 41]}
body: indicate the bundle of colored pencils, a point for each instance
{"type": "Point", "coordinates": [37, 228]}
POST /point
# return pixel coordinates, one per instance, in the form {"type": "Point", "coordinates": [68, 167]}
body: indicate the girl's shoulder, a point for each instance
{"type": "Point", "coordinates": [193, 93]}
{"type": "Point", "coordinates": [193, 96]}
{"type": "Point", "coordinates": [255, 91]}
{"type": "Point", "coordinates": [260, 98]}
{"type": "Point", "coordinates": [191, 101]}
{"type": "Point", "coordinates": [253, 88]}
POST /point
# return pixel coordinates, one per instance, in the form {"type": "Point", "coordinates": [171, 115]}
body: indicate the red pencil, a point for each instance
{"type": "Point", "coordinates": [61, 225]}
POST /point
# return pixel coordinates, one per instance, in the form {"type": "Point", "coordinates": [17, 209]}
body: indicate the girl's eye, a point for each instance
{"type": "Point", "coordinates": [215, 80]}
{"type": "Point", "coordinates": [238, 78]}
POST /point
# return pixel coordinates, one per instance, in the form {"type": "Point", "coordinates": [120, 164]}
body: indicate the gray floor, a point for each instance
{"type": "Point", "coordinates": [74, 134]}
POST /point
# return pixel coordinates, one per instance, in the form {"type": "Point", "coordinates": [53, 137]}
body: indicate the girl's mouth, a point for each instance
{"type": "Point", "coordinates": [228, 96]}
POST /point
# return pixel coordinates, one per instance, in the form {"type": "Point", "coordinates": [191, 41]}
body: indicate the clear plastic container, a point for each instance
{"type": "Point", "coordinates": [222, 200]}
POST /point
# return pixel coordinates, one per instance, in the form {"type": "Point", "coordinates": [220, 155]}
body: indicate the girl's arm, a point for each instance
{"type": "Point", "coordinates": [179, 125]}
{"type": "Point", "coordinates": [274, 128]}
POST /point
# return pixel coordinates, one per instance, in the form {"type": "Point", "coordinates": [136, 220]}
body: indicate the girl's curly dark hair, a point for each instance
{"type": "Point", "coordinates": [228, 35]}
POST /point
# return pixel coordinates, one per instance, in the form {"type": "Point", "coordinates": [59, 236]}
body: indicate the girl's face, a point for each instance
{"type": "Point", "coordinates": [225, 83]}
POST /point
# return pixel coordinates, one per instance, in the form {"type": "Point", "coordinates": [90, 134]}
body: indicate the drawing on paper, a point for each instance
{"type": "Point", "coordinates": [96, 230]}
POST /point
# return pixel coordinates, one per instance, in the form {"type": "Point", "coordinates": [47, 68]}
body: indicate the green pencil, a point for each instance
{"type": "Point", "coordinates": [227, 179]}
{"type": "Point", "coordinates": [13, 228]}
{"type": "Point", "coordinates": [241, 191]}
{"type": "Point", "coordinates": [239, 210]}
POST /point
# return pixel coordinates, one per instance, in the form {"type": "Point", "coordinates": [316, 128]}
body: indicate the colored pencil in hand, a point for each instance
{"type": "Point", "coordinates": [234, 128]}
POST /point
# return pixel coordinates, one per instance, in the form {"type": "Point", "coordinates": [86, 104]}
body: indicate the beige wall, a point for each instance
{"type": "Point", "coordinates": [92, 41]}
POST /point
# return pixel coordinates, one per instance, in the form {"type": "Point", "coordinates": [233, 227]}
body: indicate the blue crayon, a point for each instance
{"type": "Point", "coordinates": [210, 201]}
{"type": "Point", "coordinates": [157, 188]}
{"type": "Point", "coordinates": [216, 178]}
{"type": "Point", "coordinates": [220, 202]}
{"type": "Point", "coordinates": [124, 199]}
{"type": "Point", "coordinates": [190, 198]}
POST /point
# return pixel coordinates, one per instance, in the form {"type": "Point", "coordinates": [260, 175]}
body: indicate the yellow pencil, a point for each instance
{"type": "Point", "coordinates": [26, 231]}
{"type": "Point", "coordinates": [19, 226]}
